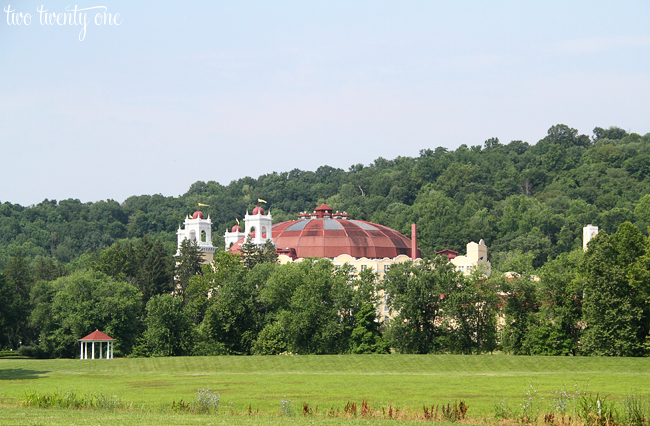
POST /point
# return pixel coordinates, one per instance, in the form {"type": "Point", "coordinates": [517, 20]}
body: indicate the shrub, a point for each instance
{"type": "Point", "coordinates": [207, 401]}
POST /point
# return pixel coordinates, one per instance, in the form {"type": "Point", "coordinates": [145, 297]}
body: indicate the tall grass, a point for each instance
{"type": "Point", "coordinates": [70, 399]}
{"type": "Point", "coordinates": [577, 408]}
{"type": "Point", "coordinates": [635, 410]}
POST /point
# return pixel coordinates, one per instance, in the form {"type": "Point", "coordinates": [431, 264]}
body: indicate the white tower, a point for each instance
{"type": "Point", "coordinates": [588, 232]}
{"type": "Point", "coordinates": [233, 236]}
{"type": "Point", "coordinates": [200, 230]}
{"type": "Point", "coordinates": [261, 224]}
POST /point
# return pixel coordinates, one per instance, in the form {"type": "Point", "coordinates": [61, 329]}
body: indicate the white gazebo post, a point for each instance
{"type": "Point", "coordinates": [98, 337]}
{"type": "Point", "coordinates": [81, 350]}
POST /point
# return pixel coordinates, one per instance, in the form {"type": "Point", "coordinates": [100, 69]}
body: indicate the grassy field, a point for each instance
{"type": "Point", "coordinates": [20, 417]}
{"type": "Point", "coordinates": [404, 381]}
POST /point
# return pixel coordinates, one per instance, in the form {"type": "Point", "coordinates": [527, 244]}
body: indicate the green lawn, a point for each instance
{"type": "Point", "coordinates": [323, 381]}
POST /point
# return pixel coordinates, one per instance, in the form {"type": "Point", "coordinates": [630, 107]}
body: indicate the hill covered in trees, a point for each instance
{"type": "Point", "coordinates": [71, 267]}
{"type": "Point", "coordinates": [528, 202]}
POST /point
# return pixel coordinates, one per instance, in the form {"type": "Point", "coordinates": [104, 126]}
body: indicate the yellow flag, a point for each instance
{"type": "Point", "coordinates": [237, 221]}
{"type": "Point", "coordinates": [259, 200]}
{"type": "Point", "coordinates": [205, 205]}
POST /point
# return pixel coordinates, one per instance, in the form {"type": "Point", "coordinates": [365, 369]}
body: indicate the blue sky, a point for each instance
{"type": "Point", "coordinates": [208, 90]}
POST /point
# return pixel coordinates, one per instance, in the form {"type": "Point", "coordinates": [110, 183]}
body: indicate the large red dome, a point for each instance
{"type": "Point", "coordinates": [333, 237]}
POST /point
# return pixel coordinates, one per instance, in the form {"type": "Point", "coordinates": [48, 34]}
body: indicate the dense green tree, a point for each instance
{"type": "Point", "coordinates": [611, 133]}
{"type": "Point", "coordinates": [236, 316]}
{"type": "Point", "coordinates": [557, 327]}
{"type": "Point", "coordinates": [145, 264]}
{"type": "Point", "coordinates": [155, 268]}
{"type": "Point", "coordinates": [318, 319]}
{"type": "Point", "coordinates": [615, 293]}
{"type": "Point", "coordinates": [642, 213]}
{"type": "Point", "coordinates": [253, 254]}
{"type": "Point", "coordinates": [8, 321]}
{"type": "Point", "coordinates": [73, 306]}
{"type": "Point", "coordinates": [46, 269]}
{"type": "Point", "coordinates": [365, 285]}
{"type": "Point", "coordinates": [19, 279]}
{"type": "Point", "coordinates": [188, 265]}
{"type": "Point", "coordinates": [225, 267]}
{"type": "Point", "coordinates": [169, 328]}
{"type": "Point", "coordinates": [417, 292]}
{"type": "Point", "coordinates": [272, 340]}
{"type": "Point", "coordinates": [366, 337]}
{"type": "Point", "coordinates": [470, 315]}
{"type": "Point", "coordinates": [521, 305]}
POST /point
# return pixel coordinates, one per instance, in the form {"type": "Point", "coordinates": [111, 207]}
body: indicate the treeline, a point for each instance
{"type": "Point", "coordinates": [521, 199]}
{"type": "Point", "coordinates": [593, 303]}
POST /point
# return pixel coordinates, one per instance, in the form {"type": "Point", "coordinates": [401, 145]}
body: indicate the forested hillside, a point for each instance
{"type": "Point", "coordinates": [522, 199]}
{"type": "Point", "coordinates": [69, 268]}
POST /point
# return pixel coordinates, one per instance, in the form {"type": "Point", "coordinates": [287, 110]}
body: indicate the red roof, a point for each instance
{"type": "Point", "coordinates": [449, 253]}
{"type": "Point", "coordinates": [258, 210]}
{"type": "Point", "coordinates": [97, 335]}
{"type": "Point", "coordinates": [197, 215]}
{"type": "Point", "coordinates": [333, 237]}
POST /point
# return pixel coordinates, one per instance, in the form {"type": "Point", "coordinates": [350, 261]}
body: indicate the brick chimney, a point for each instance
{"type": "Point", "coordinates": [414, 241]}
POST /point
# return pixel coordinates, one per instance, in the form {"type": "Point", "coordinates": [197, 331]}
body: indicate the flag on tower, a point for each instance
{"type": "Point", "coordinates": [259, 200]}
{"type": "Point", "coordinates": [204, 205]}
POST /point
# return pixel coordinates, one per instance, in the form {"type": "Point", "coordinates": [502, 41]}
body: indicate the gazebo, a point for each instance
{"type": "Point", "coordinates": [99, 337]}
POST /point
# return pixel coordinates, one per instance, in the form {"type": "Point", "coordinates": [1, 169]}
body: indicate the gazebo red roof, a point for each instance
{"type": "Point", "coordinates": [97, 335]}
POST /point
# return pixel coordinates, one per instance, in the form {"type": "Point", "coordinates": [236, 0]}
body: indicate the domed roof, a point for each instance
{"type": "Point", "coordinates": [333, 237]}
{"type": "Point", "coordinates": [197, 215]}
{"type": "Point", "coordinates": [235, 228]}
{"type": "Point", "coordinates": [258, 210]}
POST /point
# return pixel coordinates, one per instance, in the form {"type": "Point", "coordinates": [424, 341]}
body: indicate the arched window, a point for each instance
{"type": "Point", "coordinates": [192, 235]}
{"type": "Point", "coordinates": [264, 232]}
{"type": "Point", "coordinates": [252, 231]}
{"type": "Point", "coordinates": [203, 236]}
